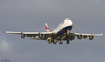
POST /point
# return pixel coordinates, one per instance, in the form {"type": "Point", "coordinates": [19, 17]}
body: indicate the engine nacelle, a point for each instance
{"type": "Point", "coordinates": [23, 36]}
{"type": "Point", "coordinates": [79, 37]}
{"type": "Point", "coordinates": [91, 37]}
{"type": "Point", "coordinates": [41, 35]}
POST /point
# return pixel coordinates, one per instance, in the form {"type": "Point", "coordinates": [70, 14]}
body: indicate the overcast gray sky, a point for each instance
{"type": "Point", "coordinates": [88, 16]}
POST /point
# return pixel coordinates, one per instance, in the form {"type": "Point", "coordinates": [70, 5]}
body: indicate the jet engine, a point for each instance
{"type": "Point", "coordinates": [23, 36]}
{"type": "Point", "coordinates": [79, 37]}
{"type": "Point", "coordinates": [91, 37]}
{"type": "Point", "coordinates": [41, 35]}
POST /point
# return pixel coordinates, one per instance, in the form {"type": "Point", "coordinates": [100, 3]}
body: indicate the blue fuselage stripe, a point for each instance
{"type": "Point", "coordinates": [64, 30]}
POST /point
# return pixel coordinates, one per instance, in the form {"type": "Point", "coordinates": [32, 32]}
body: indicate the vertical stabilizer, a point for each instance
{"type": "Point", "coordinates": [47, 29]}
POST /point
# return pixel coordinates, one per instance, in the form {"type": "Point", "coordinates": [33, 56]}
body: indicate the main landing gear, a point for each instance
{"type": "Point", "coordinates": [68, 42]}
{"type": "Point", "coordinates": [55, 41]}
{"type": "Point", "coordinates": [60, 42]}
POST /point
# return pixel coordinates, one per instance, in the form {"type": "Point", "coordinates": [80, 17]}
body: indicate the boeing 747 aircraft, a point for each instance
{"type": "Point", "coordinates": [60, 34]}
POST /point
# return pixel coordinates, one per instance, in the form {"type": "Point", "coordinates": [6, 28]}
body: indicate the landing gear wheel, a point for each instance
{"type": "Point", "coordinates": [68, 42]}
{"type": "Point", "coordinates": [55, 42]}
{"type": "Point", "coordinates": [23, 36]}
{"type": "Point", "coordinates": [60, 42]}
{"type": "Point", "coordinates": [50, 42]}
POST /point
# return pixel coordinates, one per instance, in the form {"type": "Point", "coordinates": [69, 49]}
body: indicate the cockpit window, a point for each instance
{"type": "Point", "coordinates": [68, 19]}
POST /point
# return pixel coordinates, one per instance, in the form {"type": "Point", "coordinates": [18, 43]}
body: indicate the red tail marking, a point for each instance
{"type": "Point", "coordinates": [47, 28]}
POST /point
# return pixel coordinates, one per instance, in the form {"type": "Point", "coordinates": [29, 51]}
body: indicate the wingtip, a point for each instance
{"type": "Point", "coordinates": [101, 33]}
{"type": "Point", "coordinates": [3, 31]}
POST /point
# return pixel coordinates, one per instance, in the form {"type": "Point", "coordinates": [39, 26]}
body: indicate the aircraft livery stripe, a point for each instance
{"type": "Point", "coordinates": [64, 30]}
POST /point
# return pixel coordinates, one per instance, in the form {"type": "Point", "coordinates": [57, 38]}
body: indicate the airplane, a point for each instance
{"type": "Point", "coordinates": [60, 34]}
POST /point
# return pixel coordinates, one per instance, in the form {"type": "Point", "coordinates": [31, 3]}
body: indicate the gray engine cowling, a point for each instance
{"type": "Point", "coordinates": [91, 37]}
{"type": "Point", "coordinates": [79, 37]}
{"type": "Point", "coordinates": [42, 36]}
{"type": "Point", "coordinates": [23, 36]}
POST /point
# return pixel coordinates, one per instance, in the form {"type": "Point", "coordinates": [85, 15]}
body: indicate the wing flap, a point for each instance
{"type": "Point", "coordinates": [37, 39]}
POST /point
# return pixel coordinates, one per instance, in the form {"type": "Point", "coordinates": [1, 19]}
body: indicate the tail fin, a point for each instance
{"type": "Point", "coordinates": [47, 29]}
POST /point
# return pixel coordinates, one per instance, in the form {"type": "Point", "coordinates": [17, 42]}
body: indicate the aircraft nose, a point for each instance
{"type": "Point", "coordinates": [68, 21]}
{"type": "Point", "coordinates": [71, 22]}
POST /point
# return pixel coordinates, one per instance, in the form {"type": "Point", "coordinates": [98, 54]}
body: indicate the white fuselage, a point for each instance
{"type": "Point", "coordinates": [64, 26]}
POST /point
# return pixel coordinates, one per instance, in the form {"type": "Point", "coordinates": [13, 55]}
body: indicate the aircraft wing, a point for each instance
{"type": "Point", "coordinates": [77, 34]}
{"type": "Point", "coordinates": [30, 34]}
{"type": "Point", "coordinates": [12, 32]}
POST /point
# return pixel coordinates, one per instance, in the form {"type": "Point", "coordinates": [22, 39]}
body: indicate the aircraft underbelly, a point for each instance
{"type": "Point", "coordinates": [62, 31]}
